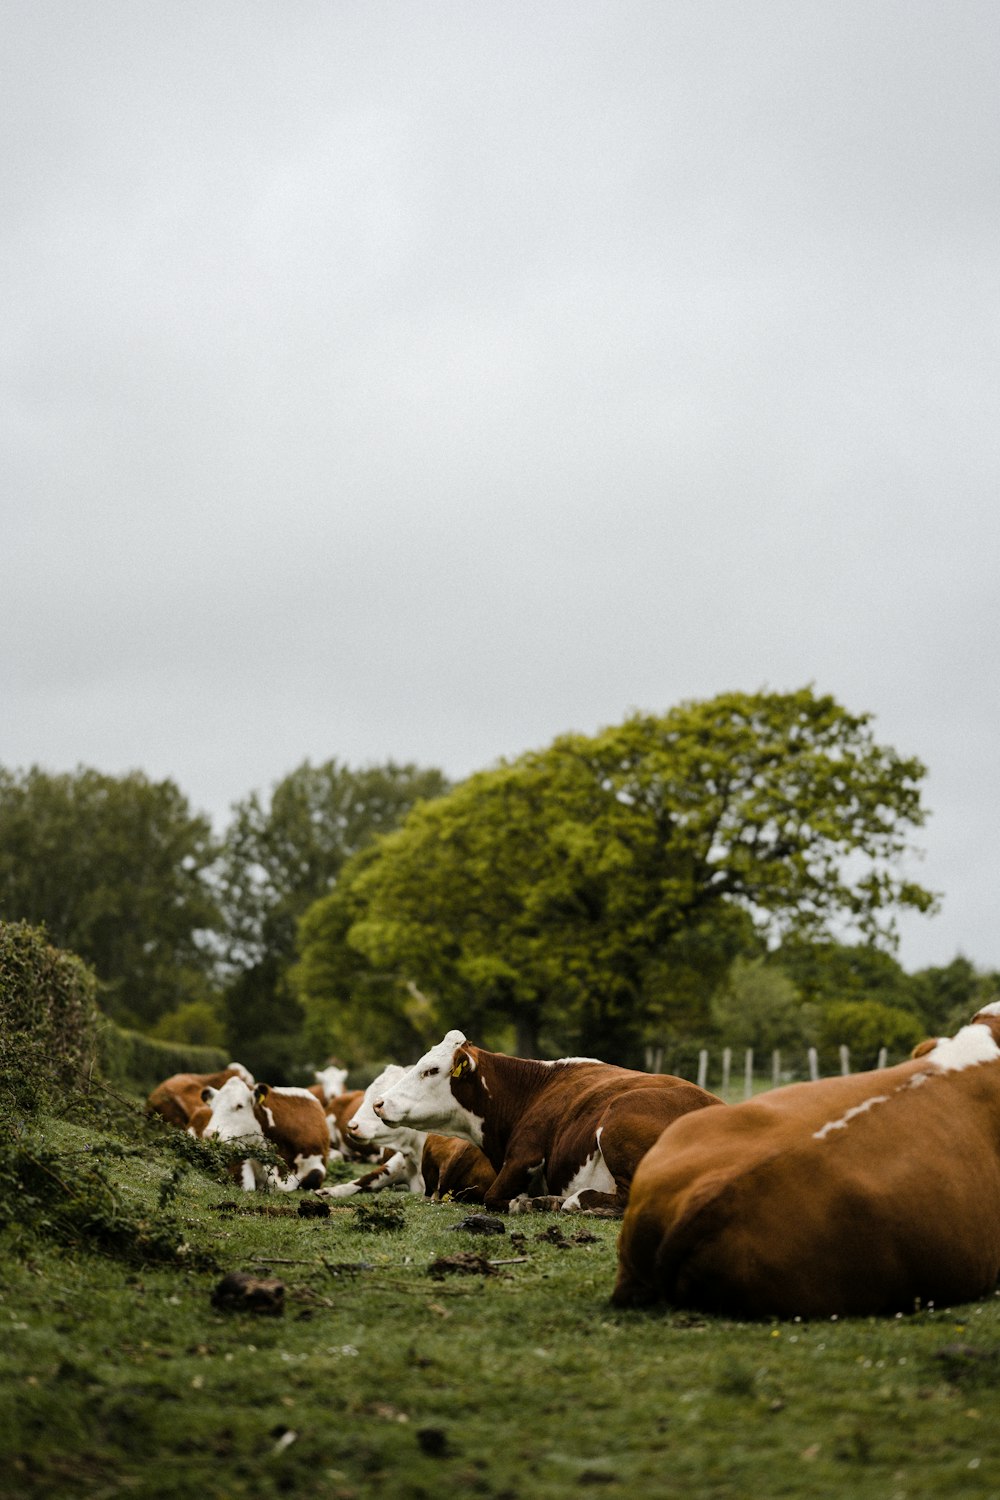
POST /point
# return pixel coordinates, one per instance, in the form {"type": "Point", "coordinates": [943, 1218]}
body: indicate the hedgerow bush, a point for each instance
{"type": "Point", "coordinates": [131, 1060]}
{"type": "Point", "coordinates": [48, 1018]}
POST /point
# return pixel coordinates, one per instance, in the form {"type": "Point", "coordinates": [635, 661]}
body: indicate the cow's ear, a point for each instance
{"type": "Point", "coordinates": [461, 1063]}
{"type": "Point", "coordinates": [261, 1092]}
{"type": "Point", "coordinates": [207, 1095]}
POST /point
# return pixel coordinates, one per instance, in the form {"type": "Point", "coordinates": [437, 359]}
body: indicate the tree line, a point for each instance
{"type": "Point", "coordinates": [729, 870]}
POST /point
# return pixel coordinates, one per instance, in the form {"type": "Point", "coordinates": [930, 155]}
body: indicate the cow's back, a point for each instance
{"type": "Point", "coordinates": [177, 1097]}
{"type": "Point", "coordinates": [630, 1109]}
{"type": "Point", "coordinates": [853, 1196]}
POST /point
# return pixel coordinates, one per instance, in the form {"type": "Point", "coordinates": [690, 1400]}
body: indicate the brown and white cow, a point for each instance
{"type": "Point", "coordinates": [867, 1194]}
{"type": "Point", "coordinates": [574, 1129]}
{"type": "Point", "coordinates": [435, 1165]}
{"type": "Point", "coordinates": [292, 1119]}
{"type": "Point", "coordinates": [177, 1098]}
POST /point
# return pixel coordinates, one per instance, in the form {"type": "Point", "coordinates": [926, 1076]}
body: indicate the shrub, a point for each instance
{"type": "Point", "coordinates": [48, 1018]}
{"type": "Point", "coordinates": [134, 1061]}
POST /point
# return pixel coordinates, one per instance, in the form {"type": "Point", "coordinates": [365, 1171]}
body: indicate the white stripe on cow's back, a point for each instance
{"type": "Point", "coordinates": [952, 1054]}
{"type": "Point", "coordinates": [993, 1009]}
{"type": "Point", "coordinates": [293, 1092]}
{"type": "Point", "coordinates": [845, 1119]}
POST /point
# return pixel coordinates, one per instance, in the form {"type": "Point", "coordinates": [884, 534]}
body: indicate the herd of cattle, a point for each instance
{"type": "Point", "coordinates": [873, 1193]}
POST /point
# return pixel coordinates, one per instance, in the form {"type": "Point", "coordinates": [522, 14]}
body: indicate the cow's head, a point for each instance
{"type": "Point", "coordinates": [232, 1111]}
{"type": "Point", "coordinates": [365, 1125]}
{"type": "Point", "coordinates": [426, 1100]}
{"type": "Point", "coordinates": [331, 1080]}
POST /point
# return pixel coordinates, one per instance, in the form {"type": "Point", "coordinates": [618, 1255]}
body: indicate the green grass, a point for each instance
{"type": "Point", "coordinates": [122, 1379]}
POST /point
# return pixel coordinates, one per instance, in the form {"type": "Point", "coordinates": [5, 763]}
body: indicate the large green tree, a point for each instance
{"type": "Point", "coordinates": [279, 855]}
{"type": "Point", "coordinates": [117, 870]}
{"type": "Point", "coordinates": [558, 893]}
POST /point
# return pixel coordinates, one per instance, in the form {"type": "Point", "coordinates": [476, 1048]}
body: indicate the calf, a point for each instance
{"type": "Point", "coordinates": [574, 1129]}
{"type": "Point", "coordinates": [292, 1119]}
{"type": "Point", "coordinates": [873, 1193]}
{"type": "Point", "coordinates": [176, 1098]}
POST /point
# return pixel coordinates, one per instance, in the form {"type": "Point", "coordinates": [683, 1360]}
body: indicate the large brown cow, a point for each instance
{"type": "Point", "coordinates": [574, 1129]}
{"type": "Point", "coordinates": [867, 1194]}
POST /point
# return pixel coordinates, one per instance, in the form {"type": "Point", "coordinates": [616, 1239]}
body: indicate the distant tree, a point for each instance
{"type": "Point", "coordinates": [826, 971]}
{"type": "Point", "coordinates": [758, 1006]}
{"type": "Point", "coordinates": [548, 893]}
{"type": "Point", "coordinates": [865, 1026]}
{"type": "Point", "coordinates": [197, 1022]}
{"type": "Point", "coordinates": [278, 857]}
{"type": "Point", "coordinates": [948, 997]}
{"type": "Point", "coordinates": [116, 869]}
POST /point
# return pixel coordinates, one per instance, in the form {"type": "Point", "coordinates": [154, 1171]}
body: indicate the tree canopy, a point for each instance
{"type": "Point", "coordinates": [559, 892]}
{"type": "Point", "coordinates": [116, 869]}
{"type": "Point", "coordinates": [278, 857]}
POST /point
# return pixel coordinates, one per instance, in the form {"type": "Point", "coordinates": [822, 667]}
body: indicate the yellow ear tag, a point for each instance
{"type": "Point", "coordinates": [460, 1067]}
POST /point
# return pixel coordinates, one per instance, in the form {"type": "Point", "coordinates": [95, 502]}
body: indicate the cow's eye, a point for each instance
{"type": "Point", "coordinates": [430, 1072]}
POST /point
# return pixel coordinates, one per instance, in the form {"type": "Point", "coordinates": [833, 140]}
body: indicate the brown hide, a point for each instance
{"type": "Point", "coordinates": [455, 1168]}
{"type": "Point", "coordinates": [340, 1110]}
{"type": "Point", "coordinates": [296, 1124]}
{"type": "Point", "coordinates": [860, 1195]}
{"type": "Point", "coordinates": [177, 1098]}
{"type": "Point", "coordinates": [541, 1120]}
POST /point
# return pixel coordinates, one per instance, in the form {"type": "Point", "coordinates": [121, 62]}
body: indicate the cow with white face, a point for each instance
{"type": "Point", "coordinates": [292, 1119]}
{"type": "Point", "coordinates": [422, 1162]}
{"type": "Point", "coordinates": [402, 1148]}
{"type": "Point", "coordinates": [572, 1130]}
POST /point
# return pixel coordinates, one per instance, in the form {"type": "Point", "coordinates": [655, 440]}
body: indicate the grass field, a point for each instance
{"type": "Point", "coordinates": [119, 1378]}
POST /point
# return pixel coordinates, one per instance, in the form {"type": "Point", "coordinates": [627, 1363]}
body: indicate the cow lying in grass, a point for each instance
{"type": "Point", "coordinates": [177, 1098]}
{"type": "Point", "coordinates": [291, 1119]}
{"type": "Point", "coordinates": [425, 1164]}
{"type": "Point", "coordinates": [574, 1129]}
{"type": "Point", "coordinates": [873, 1193]}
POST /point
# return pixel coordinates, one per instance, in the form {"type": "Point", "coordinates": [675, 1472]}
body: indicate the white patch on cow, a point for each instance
{"type": "Point", "coordinates": [577, 1060]}
{"type": "Point", "coordinates": [364, 1124]}
{"type": "Point", "coordinates": [993, 1009]}
{"type": "Point", "coordinates": [966, 1049]}
{"type": "Point", "coordinates": [243, 1073]}
{"type": "Point", "coordinates": [851, 1114]}
{"type": "Point", "coordinates": [248, 1177]}
{"type": "Point", "coordinates": [304, 1165]}
{"type": "Point", "coordinates": [296, 1093]}
{"type": "Point", "coordinates": [423, 1099]}
{"type": "Point", "coordinates": [593, 1176]}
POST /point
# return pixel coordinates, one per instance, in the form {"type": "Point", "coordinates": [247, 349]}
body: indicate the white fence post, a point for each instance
{"type": "Point", "coordinates": [883, 1057]}
{"type": "Point", "coordinates": [813, 1064]}
{"type": "Point", "coordinates": [658, 1060]}
{"type": "Point", "coordinates": [703, 1067]}
{"type": "Point", "coordinates": [727, 1058]}
{"type": "Point", "coordinates": [748, 1075]}
{"type": "Point", "coordinates": [649, 1059]}
{"type": "Point", "coordinates": [845, 1060]}
{"type": "Point", "coordinates": [775, 1069]}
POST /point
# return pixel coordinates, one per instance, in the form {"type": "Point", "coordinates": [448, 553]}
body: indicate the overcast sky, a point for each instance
{"type": "Point", "coordinates": [420, 381]}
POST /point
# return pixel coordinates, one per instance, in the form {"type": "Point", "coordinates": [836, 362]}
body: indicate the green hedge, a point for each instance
{"type": "Point", "coordinates": [134, 1061]}
{"type": "Point", "coordinates": [48, 1018]}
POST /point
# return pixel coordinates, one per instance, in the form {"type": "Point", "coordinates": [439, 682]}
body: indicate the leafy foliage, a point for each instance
{"type": "Point", "coordinates": [556, 892]}
{"type": "Point", "coordinates": [277, 859]}
{"type": "Point", "coordinates": [48, 1018]}
{"type": "Point", "coordinates": [116, 870]}
{"type": "Point", "coordinates": [758, 1006]}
